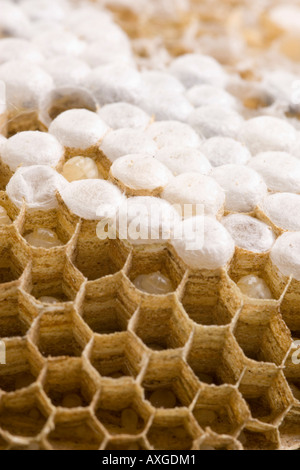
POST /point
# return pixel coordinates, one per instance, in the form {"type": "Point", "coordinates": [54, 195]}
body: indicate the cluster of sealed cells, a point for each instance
{"type": "Point", "coordinates": [202, 368]}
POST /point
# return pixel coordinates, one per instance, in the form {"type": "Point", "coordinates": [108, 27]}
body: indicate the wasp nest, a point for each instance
{"type": "Point", "coordinates": [149, 225]}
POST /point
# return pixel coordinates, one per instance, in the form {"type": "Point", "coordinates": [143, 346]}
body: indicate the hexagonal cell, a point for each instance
{"type": "Point", "coordinates": [263, 269]}
{"type": "Point", "coordinates": [211, 441]}
{"type": "Point", "coordinates": [11, 267]}
{"type": "Point", "coordinates": [96, 259]}
{"type": "Point", "coordinates": [74, 390]}
{"type": "Point", "coordinates": [173, 431]}
{"type": "Point", "coordinates": [169, 383]}
{"type": "Point", "coordinates": [14, 321]}
{"type": "Point", "coordinates": [24, 414]}
{"type": "Point", "coordinates": [215, 356]}
{"type": "Point", "coordinates": [31, 220]}
{"type": "Point", "coordinates": [106, 309]}
{"type": "Point", "coordinates": [45, 261]}
{"type": "Point", "coordinates": [75, 431]}
{"type": "Point", "coordinates": [117, 356]}
{"type": "Point", "coordinates": [22, 367]}
{"type": "Point", "coordinates": [290, 428]}
{"type": "Point", "coordinates": [266, 392]}
{"type": "Point", "coordinates": [221, 409]}
{"type": "Point", "coordinates": [126, 443]}
{"type": "Point", "coordinates": [149, 262]}
{"type": "Point", "coordinates": [163, 328]}
{"type": "Point", "coordinates": [59, 335]}
{"type": "Point", "coordinates": [122, 410]}
{"type": "Point", "coordinates": [263, 339]}
{"type": "Point", "coordinates": [254, 438]}
{"type": "Point", "coordinates": [211, 300]}
{"type": "Point", "coordinates": [63, 284]}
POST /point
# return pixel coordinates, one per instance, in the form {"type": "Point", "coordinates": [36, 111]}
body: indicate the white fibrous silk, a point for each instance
{"type": "Point", "coordinates": [166, 133]}
{"type": "Point", "coordinates": [266, 133]}
{"type": "Point", "coordinates": [196, 69]}
{"type": "Point", "coordinates": [280, 170]}
{"type": "Point", "coordinates": [224, 151]}
{"type": "Point", "coordinates": [183, 160]}
{"type": "Point", "coordinates": [147, 220]}
{"type": "Point", "coordinates": [244, 188]}
{"type": "Point", "coordinates": [36, 185]}
{"type": "Point", "coordinates": [213, 121]}
{"type": "Point", "coordinates": [123, 142]}
{"type": "Point", "coordinates": [26, 83]}
{"type": "Point", "coordinates": [285, 254]}
{"type": "Point", "coordinates": [197, 192]}
{"type": "Point", "coordinates": [203, 243]}
{"type": "Point", "coordinates": [283, 209]}
{"type": "Point", "coordinates": [249, 233]}
{"type": "Point", "coordinates": [139, 171]}
{"type": "Point", "coordinates": [124, 115]}
{"type": "Point", "coordinates": [192, 132]}
{"type": "Point", "coordinates": [78, 128]}
{"type": "Point", "coordinates": [31, 148]}
{"type": "Point", "coordinates": [92, 199]}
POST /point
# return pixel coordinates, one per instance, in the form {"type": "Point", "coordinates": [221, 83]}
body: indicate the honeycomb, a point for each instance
{"type": "Point", "coordinates": [118, 345]}
{"type": "Point", "coordinates": [228, 359]}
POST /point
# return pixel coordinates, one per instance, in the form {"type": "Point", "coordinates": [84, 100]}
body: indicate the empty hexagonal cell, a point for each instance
{"type": "Point", "coordinates": [14, 321]}
{"type": "Point", "coordinates": [105, 308]}
{"type": "Point", "coordinates": [215, 356]}
{"type": "Point", "coordinates": [221, 409]}
{"type": "Point", "coordinates": [116, 356]}
{"type": "Point", "coordinates": [73, 390]}
{"type": "Point", "coordinates": [97, 259]}
{"type": "Point", "coordinates": [158, 262]}
{"type": "Point", "coordinates": [266, 392]}
{"type": "Point", "coordinates": [263, 338]}
{"type": "Point", "coordinates": [169, 383]}
{"type": "Point", "coordinates": [163, 328]}
{"type": "Point", "coordinates": [75, 431]}
{"type": "Point", "coordinates": [122, 410]}
{"type": "Point", "coordinates": [60, 286]}
{"type": "Point", "coordinates": [58, 335]}
{"type": "Point", "coordinates": [211, 300]}
{"type": "Point", "coordinates": [24, 415]}
{"type": "Point", "coordinates": [11, 267]}
{"type": "Point", "coordinates": [21, 369]}
{"type": "Point", "coordinates": [173, 432]}
{"type": "Point", "coordinates": [126, 443]}
{"type": "Point", "coordinates": [290, 428]}
{"type": "Point", "coordinates": [253, 438]}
